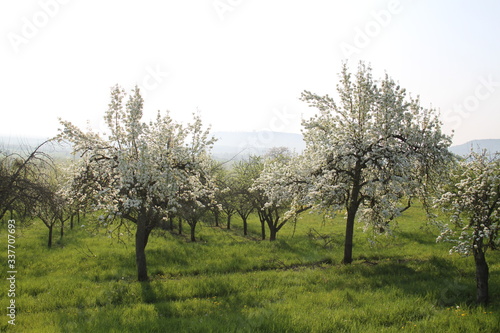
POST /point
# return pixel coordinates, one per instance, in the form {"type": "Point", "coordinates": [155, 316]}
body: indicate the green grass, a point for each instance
{"type": "Point", "coordinates": [230, 283]}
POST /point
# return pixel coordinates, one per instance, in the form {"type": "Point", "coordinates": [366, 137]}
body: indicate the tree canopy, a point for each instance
{"type": "Point", "coordinates": [142, 172]}
{"type": "Point", "coordinates": [364, 152]}
{"type": "Point", "coordinates": [471, 199]}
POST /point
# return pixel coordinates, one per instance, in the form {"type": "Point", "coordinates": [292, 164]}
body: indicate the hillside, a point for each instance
{"type": "Point", "coordinates": [24, 146]}
{"type": "Point", "coordinates": [491, 145]}
{"type": "Point", "coordinates": [246, 143]}
{"type": "Point", "coordinates": [236, 145]}
{"type": "Point", "coordinates": [229, 282]}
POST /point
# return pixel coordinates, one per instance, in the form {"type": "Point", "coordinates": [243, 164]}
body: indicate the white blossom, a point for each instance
{"type": "Point", "coordinates": [471, 200]}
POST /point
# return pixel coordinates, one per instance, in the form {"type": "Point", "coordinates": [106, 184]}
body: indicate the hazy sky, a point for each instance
{"type": "Point", "coordinates": [242, 64]}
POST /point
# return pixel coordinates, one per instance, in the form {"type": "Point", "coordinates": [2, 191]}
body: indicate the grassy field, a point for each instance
{"type": "Point", "coordinates": [230, 283]}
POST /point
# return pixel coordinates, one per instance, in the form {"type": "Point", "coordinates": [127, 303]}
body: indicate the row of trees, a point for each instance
{"type": "Point", "coordinates": [150, 173]}
{"type": "Point", "coordinates": [370, 152]}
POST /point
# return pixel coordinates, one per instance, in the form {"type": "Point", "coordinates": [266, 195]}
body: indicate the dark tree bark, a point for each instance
{"type": "Point", "coordinates": [244, 213]}
{"type": "Point", "coordinates": [271, 217]}
{"type": "Point", "coordinates": [216, 215]}
{"type": "Point", "coordinates": [141, 238]}
{"type": "Point", "coordinates": [482, 274]}
{"type": "Point", "coordinates": [263, 229]}
{"type": "Point", "coordinates": [349, 235]}
{"type": "Point", "coordinates": [62, 229]}
{"type": "Point", "coordinates": [49, 243]}
{"type": "Point", "coordinates": [272, 234]}
{"type": "Point", "coordinates": [193, 229]}
{"type": "Point", "coordinates": [245, 226]}
{"type": "Point", "coordinates": [352, 209]}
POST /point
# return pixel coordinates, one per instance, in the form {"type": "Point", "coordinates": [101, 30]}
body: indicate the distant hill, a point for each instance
{"type": "Point", "coordinates": [246, 143]}
{"type": "Point", "coordinates": [491, 145]}
{"type": "Point", "coordinates": [234, 145]}
{"type": "Point", "coordinates": [242, 144]}
{"type": "Point", "coordinates": [24, 146]}
{"type": "Point", "coordinates": [229, 145]}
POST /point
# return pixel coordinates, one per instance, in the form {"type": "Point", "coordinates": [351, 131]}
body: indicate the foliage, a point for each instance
{"type": "Point", "coordinates": [472, 200]}
{"type": "Point", "coordinates": [364, 154]}
{"type": "Point", "coordinates": [21, 180]}
{"type": "Point", "coordinates": [53, 206]}
{"type": "Point", "coordinates": [141, 172]}
{"type": "Point", "coordinates": [244, 173]}
{"type": "Point", "coordinates": [373, 148]}
{"type": "Point", "coordinates": [272, 204]}
{"type": "Point", "coordinates": [227, 197]}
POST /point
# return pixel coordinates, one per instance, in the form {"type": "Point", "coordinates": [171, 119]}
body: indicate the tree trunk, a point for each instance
{"type": "Point", "coordinates": [349, 234]}
{"type": "Point", "coordinates": [141, 237]}
{"type": "Point", "coordinates": [193, 228]}
{"type": "Point", "coordinates": [62, 229]}
{"type": "Point", "coordinates": [482, 273]}
{"type": "Point", "coordinates": [49, 244]}
{"type": "Point", "coordinates": [71, 220]}
{"type": "Point", "coordinates": [216, 214]}
{"type": "Point", "coordinates": [263, 229]}
{"type": "Point", "coordinates": [272, 234]}
{"type": "Point", "coordinates": [245, 226]}
{"type": "Point", "coordinates": [228, 221]}
{"type": "Point", "coordinates": [180, 226]}
{"type": "Point", "coordinates": [352, 209]}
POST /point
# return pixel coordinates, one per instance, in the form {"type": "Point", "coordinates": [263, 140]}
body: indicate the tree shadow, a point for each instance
{"type": "Point", "coordinates": [435, 277]}
{"type": "Point", "coordinates": [148, 293]}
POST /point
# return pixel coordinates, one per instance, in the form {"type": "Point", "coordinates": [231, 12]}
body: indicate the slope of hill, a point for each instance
{"type": "Point", "coordinates": [491, 145]}
{"type": "Point", "coordinates": [246, 143]}
{"type": "Point", "coordinates": [24, 146]}
{"type": "Point", "coordinates": [235, 144]}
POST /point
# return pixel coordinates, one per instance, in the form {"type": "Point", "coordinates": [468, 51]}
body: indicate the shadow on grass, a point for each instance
{"type": "Point", "coordinates": [423, 238]}
{"type": "Point", "coordinates": [434, 278]}
{"type": "Point", "coordinates": [147, 292]}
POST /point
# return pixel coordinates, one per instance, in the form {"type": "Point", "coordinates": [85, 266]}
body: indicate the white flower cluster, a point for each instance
{"type": "Point", "coordinates": [140, 168]}
{"type": "Point", "coordinates": [472, 203]}
{"type": "Point", "coordinates": [364, 154]}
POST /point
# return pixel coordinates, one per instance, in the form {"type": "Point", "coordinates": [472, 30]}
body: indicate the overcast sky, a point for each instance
{"type": "Point", "coordinates": [242, 64]}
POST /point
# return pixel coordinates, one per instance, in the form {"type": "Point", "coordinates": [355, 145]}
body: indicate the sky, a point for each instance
{"type": "Point", "coordinates": [242, 64]}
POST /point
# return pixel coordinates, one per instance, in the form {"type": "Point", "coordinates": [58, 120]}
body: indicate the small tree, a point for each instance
{"type": "Point", "coordinates": [279, 190]}
{"type": "Point", "coordinates": [136, 171]}
{"type": "Point", "coordinates": [51, 209]}
{"type": "Point", "coordinates": [21, 176]}
{"type": "Point", "coordinates": [370, 150]}
{"type": "Point", "coordinates": [243, 176]}
{"type": "Point", "coordinates": [472, 200]}
{"type": "Point", "coordinates": [226, 197]}
{"type": "Point", "coordinates": [196, 197]}
{"type": "Point", "coordinates": [247, 172]}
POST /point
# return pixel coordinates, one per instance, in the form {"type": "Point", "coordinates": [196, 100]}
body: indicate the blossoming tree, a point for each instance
{"type": "Point", "coordinates": [277, 190]}
{"type": "Point", "coordinates": [364, 153]}
{"type": "Point", "coordinates": [137, 170]}
{"type": "Point", "coordinates": [472, 201]}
